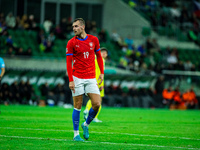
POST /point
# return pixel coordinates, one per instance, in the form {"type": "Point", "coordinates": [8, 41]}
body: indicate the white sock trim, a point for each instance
{"type": "Point", "coordinates": [85, 124]}
{"type": "Point", "coordinates": [77, 109]}
{"type": "Point", "coordinates": [76, 132]}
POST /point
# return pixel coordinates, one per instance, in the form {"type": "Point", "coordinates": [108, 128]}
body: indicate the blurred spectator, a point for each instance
{"type": "Point", "coordinates": [154, 20]}
{"type": "Point", "coordinates": [102, 36]}
{"type": "Point", "coordinates": [189, 97]}
{"type": "Point", "coordinates": [123, 62]}
{"type": "Point", "coordinates": [133, 93]}
{"type": "Point", "coordinates": [51, 37]}
{"type": "Point", "coordinates": [164, 19]}
{"type": "Point", "coordinates": [185, 19]}
{"type": "Point", "coordinates": [93, 25]}
{"type": "Point", "coordinates": [40, 36]}
{"type": "Point", "coordinates": [88, 26]}
{"type": "Point", "coordinates": [179, 66]}
{"type": "Point", "coordinates": [58, 32]}
{"type": "Point", "coordinates": [18, 23]}
{"type": "Point", "coordinates": [28, 52]}
{"type": "Point", "coordinates": [94, 32]}
{"type": "Point", "coordinates": [129, 42]}
{"type": "Point", "coordinates": [175, 12]}
{"type": "Point", "coordinates": [193, 68]}
{"type": "Point", "coordinates": [141, 50]}
{"type": "Point", "coordinates": [15, 93]}
{"type": "Point", "coordinates": [147, 100]}
{"type": "Point", "coordinates": [132, 3]}
{"type": "Point", "coordinates": [32, 23]}
{"type": "Point", "coordinates": [177, 98]}
{"type": "Point", "coordinates": [45, 89]}
{"type": "Point", "coordinates": [47, 25]}
{"type": "Point", "coordinates": [115, 37]}
{"type": "Point", "coordinates": [69, 25]}
{"type": "Point", "coordinates": [24, 22]}
{"type": "Point", "coordinates": [155, 44]}
{"type": "Point", "coordinates": [10, 52]}
{"type": "Point", "coordinates": [172, 58]}
{"type": "Point", "coordinates": [148, 45]}
{"type": "Point", "coordinates": [20, 52]}
{"type": "Point", "coordinates": [63, 25]}
{"type": "Point", "coordinates": [2, 17]}
{"type": "Point", "coordinates": [188, 65]}
{"type": "Point", "coordinates": [3, 27]}
{"type": "Point", "coordinates": [168, 96]}
{"type": "Point", "coordinates": [22, 90]}
{"type": "Point", "coordinates": [10, 20]}
{"type": "Point", "coordinates": [48, 47]}
{"type": "Point", "coordinates": [59, 93]}
{"type": "Point", "coordinates": [159, 87]}
{"type": "Point", "coordinates": [9, 41]}
{"type": "Point", "coordinates": [5, 92]}
{"type": "Point", "coordinates": [151, 4]}
{"type": "Point", "coordinates": [28, 91]}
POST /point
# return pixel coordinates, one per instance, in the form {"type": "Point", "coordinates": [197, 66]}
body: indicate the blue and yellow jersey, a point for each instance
{"type": "Point", "coordinates": [2, 64]}
{"type": "Point", "coordinates": [98, 72]}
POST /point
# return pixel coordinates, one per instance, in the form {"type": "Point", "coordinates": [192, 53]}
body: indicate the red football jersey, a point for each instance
{"type": "Point", "coordinates": [83, 51]}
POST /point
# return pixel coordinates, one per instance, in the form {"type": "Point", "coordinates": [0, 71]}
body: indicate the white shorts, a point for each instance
{"type": "Point", "coordinates": [85, 86]}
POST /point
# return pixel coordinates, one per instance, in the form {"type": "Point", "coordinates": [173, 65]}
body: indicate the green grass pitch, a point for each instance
{"type": "Point", "coordinates": [33, 128]}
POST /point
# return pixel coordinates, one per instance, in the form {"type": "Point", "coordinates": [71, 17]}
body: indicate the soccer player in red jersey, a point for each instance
{"type": "Point", "coordinates": [80, 53]}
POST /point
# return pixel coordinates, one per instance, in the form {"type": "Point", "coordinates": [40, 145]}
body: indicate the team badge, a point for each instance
{"type": "Point", "coordinates": [91, 44]}
{"type": "Point", "coordinates": [66, 50]}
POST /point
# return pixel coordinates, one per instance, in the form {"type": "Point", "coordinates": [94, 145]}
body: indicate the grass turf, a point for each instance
{"type": "Point", "coordinates": [29, 127]}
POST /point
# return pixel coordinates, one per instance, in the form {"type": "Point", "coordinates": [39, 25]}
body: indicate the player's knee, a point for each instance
{"type": "Point", "coordinates": [96, 106]}
{"type": "Point", "coordinates": [78, 104]}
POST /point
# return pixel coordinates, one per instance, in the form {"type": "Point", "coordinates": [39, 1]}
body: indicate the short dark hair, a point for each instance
{"type": "Point", "coordinates": [104, 49]}
{"type": "Point", "coordinates": [81, 20]}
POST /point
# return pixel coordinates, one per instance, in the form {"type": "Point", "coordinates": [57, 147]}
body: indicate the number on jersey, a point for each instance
{"type": "Point", "coordinates": [86, 54]}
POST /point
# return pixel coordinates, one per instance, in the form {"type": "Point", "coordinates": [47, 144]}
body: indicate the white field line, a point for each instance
{"type": "Point", "coordinates": [109, 143]}
{"type": "Point", "coordinates": [130, 134]}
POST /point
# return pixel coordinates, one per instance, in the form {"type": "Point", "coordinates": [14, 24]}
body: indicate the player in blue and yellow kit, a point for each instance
{"type": "Point", "coordinates": [104, 54]}
{"type": "Point", "coordinates": [2, 69]}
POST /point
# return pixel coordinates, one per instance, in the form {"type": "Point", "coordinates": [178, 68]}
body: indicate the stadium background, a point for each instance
{"type": "Point", "coordinates": [131, 70]}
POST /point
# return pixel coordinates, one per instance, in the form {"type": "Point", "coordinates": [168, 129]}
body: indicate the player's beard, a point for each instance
{"type": "Point", "coordinates": [79, 34]}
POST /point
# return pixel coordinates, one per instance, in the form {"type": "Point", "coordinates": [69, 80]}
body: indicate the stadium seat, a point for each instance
{"type": "Point", "coordinates": [146, 31]}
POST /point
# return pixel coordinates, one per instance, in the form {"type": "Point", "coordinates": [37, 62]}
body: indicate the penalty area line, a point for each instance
{"type": "Point", "coordinates": [109, 143]}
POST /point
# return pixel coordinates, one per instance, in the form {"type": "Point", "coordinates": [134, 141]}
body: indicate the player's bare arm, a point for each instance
{"type": "Point", "coordinates": [72, 85]}
{"type": "Point", "coordinates": [101, 77]}
{"type": "Point", "coordinates": [101, 88]}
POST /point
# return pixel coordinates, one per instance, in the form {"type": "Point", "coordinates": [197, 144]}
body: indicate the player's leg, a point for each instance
{"type": "Point", "coordinates": [87, 108]}
{"type": "Point", "coordinates": [76, 116]}
{"type": "Point", "coordinates": [96, 117]}
{"type": "Point", "coordinates": [96, 102]}
{"type": "Point", "coordinates": [89, 105]}
{"type": "Point", "coordinates": [77, 100]}
{"type": "Point", "coordinates": [92, 91]}
{"type": "Point", "coordinates": [98, 112]}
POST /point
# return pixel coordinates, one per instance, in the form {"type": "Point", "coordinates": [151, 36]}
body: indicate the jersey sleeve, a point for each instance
{"type": "Point", "coordinates": [69, 48]}
{"type": "Point", "coordinates": [69, 54]}
{"type": "Point", "coordinates": [97, 45]}
{"type": "Point", "coordinates": [98, 54]}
